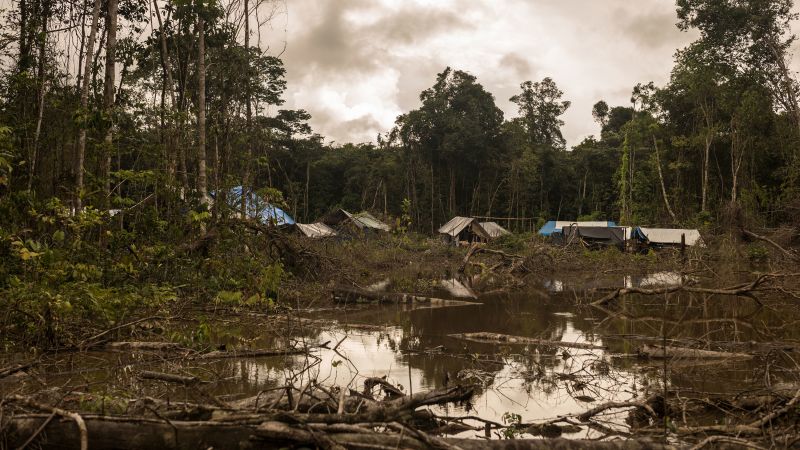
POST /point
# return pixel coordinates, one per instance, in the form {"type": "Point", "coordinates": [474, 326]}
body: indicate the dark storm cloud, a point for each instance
{"type": "Point", "coordinates": [336, 42]}
{"type": "Point", "coordinates": [412, 25]}
{"type": "Point", "coordinates": [653, 30]}
{"type": "Point", "coordinates": [519, 65]}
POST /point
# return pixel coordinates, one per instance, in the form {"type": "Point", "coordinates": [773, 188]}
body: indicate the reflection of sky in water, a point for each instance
{"type": "Point", "coordinates": [516, 388]}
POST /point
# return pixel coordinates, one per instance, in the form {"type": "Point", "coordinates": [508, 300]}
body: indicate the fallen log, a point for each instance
{"type": "Point", "coordinates": [258, 353]}
{"type": "Point", "coordinates": [498, 338]}
{"type": "Point", "coordinates": [352, 295]}
{"type": "Point", "coordinates": [144, 346]}
{"type": "Point", "coordinates": [11, 370]}
{"type": "Point", "coordinates": [668, 352]}
{"type": "Point", "coordinates": [168, 377]}
{"type": "Point", "coordinates": [124, 433]}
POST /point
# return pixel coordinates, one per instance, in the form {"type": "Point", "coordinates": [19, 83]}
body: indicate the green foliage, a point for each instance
{"type": "Point", "coordinates": [757, 253]}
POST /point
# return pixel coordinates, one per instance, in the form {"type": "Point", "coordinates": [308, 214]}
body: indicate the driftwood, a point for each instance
{"type": "Point", "coordinates": [668, 352]}
{"type": "Point", "coordinates": [122, 433]}
{"type": "Point", "coordinates": [497, 338]}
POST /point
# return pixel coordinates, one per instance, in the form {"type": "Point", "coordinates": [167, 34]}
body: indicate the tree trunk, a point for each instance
{"type": "Point", "coordinates": [661, 179]}
{"type": "Point", "coordinates": [87, 66]}
{"type": "Point", "coordinates": [170, 158]}
{"type": "Point", "coordinates": [709, 138]}
{"type": "Point", "coordinates": [108, 97]}
{"type": "Point", "coordinates": [40, 94]}
{"type": "Point", "coordinates": [249, 111]}
{"type": "Point", "coordinates": [201, 111]}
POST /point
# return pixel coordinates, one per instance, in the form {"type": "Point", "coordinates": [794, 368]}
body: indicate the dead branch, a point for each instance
{"type": "Point", "coordinates": [75, 417]}
{"type": "Point", "coordinates": [744, 290]}
{"type": "Point", "coordinates": [788, 253]}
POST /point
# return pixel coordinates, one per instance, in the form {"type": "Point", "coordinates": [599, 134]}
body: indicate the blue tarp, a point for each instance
{"type": "Point", "coordinates": [554, 226]}
{"type": "Point", "coordinates": [259, 209]}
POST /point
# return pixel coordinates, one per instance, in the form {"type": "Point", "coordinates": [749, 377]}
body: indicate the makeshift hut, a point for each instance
{"type": "Point", "coordinates": [593, 236]}
{"type": "Point", "coordinates": [316, 230]}
{"type": "Point", "coordinates": [463, 229]}
{"type": "Point", "coordinates": [669, 237]}
{"type": "Point", "coordinates": [494, 230]}
{"type": "Point", "coordinates": [362, 222]}
{"type": "Point", "coordinates": [555, 226]}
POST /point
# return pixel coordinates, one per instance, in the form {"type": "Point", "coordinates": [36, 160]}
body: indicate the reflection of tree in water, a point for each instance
{"type": "Point", "coordinates": [710, 322]}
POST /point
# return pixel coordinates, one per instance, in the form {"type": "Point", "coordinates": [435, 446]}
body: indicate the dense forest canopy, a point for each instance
{"type": "Point", "coordinates": [99, 110]}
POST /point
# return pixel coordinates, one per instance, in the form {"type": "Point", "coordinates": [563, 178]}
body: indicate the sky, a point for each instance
{"type": "Point", "coordinates": [356, 65]}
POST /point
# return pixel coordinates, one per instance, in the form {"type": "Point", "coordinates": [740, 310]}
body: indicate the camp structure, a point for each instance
{"type": "Point", "coordinates": [316, 230]}
{"type": "Point", "coordinates": [668, 237]}
{"type": "Point", "coordinates": [346, 222]}
{"type": "Point", "coordinates": [555, 226]}
{"type": "Point", "coordinates": [463, 229]}
{"type": "Point", "coordinates": [593, 236]}
{"type": "Point", "coordinates": [257, 208]}
{"type": "Point", "coordinates": [494, 230]}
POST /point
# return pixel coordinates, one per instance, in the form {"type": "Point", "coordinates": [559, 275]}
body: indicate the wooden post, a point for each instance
{"type": "Point", "coordinates": [683, 246]}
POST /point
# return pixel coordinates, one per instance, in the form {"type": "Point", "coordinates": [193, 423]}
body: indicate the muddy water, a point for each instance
{"type": "Point", "coordinates": [412, 346]}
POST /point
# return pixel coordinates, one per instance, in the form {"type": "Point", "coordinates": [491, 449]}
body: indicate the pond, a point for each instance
{"type": "Point", "coordinates": [413, 346]}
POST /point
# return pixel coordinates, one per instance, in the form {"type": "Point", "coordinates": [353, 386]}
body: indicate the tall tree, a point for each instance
{"type": "Point", "coordinates": [108, 97]}
{"type": "Point", "coordinates": [84, 111]}
{"type": "Point", "coordinates": [202, 186]}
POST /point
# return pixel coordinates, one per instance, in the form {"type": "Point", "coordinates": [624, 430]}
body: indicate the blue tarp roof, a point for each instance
{"type": "Point", "coordinates": [554, 226]}
{"type": "Point", "coordinates": [259, 209]}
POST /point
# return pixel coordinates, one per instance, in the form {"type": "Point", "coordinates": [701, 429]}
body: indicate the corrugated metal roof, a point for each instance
{"type": "Point", "coordinates": [365, 219]}
{"type": "Point", "coordinates": [494, 230]}
{"type": "Point", "coordinates": [672, 236]}
{"type": "Point", "coordinates": [315, 230]}
{"type": "Point", "coordinates": [456, 225]}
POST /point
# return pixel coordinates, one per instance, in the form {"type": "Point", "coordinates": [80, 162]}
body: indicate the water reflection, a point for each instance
{"type": "Point", "coordinates": [413, 348]}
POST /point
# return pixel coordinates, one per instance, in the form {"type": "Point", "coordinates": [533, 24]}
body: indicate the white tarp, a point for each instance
{"type": "Point", "coordinates": [494, 230]}
{"type": "Point", "coordinates": [672, 236]}
{"type": "Point", "coordinates": [315, 230]}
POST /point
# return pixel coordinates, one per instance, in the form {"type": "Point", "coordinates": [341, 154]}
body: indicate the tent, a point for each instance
{"type": "Point", "coordinates": [258, 208]}
{"type": "Point", "coordinates": [316, 230]}
{"type": "Point", "coordinates": [555, 226]}
{"type": "Point", "coordinates": [463, 229]}
{"type": "Point", "coordinates": [594, 236]}
{"type": "Point", "coordinates": [669, 236]}
{"type": "Point", "coordinates": [494, 230]}
{"type": "Point", "coordinates": [362, 221]}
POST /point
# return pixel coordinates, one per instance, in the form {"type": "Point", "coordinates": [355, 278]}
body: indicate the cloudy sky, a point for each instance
{"type": "Point", "coordinates": [355, 65]}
